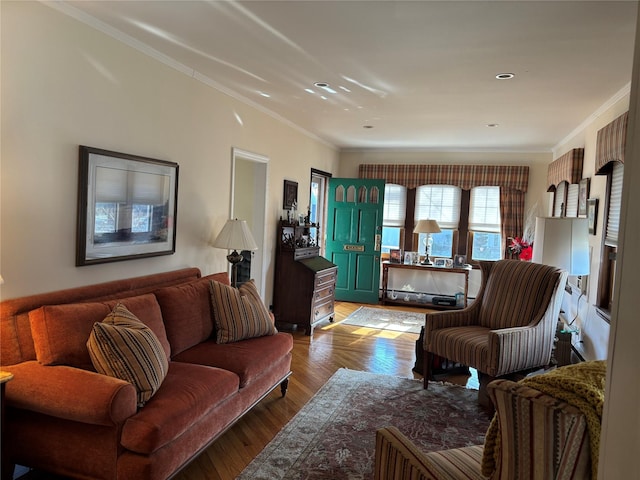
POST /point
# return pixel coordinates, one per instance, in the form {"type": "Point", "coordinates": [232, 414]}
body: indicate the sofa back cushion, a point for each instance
{"type": "Point", "coordinates": [60, 332]}
{"type": "Point", "coordinates": [517, 293]}
{"type": "Point", "coordinates": [187, 314]}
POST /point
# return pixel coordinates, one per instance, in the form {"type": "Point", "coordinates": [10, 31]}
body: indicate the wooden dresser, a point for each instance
{"type": "Point", "coordinates": [304, 287]}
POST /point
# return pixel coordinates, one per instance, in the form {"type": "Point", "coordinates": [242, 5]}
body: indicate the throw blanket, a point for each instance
{"type": "Point", "coordinates": [581, 385]}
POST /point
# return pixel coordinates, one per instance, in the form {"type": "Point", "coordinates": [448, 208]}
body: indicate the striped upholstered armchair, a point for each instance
{"type": "Point", "coordinates": [509, 327]}
{"type": "Point", "coordinates": [540, 437]}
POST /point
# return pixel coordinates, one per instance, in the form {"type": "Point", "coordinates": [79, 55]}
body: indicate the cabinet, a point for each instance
{"type": "Point", "coordinates": [304, 287]}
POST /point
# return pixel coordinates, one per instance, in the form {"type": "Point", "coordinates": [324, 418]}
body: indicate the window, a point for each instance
{"type": "Point", "coordinates": [395, 207]}
{"type": "Point", "coordinates": [317, 194]}
{"type": "Point", "coordinates": [572, 200]}
{"type": "Point", "coordinates": [559, 200]}
{"type": "Point", "coordinates": [610, 249]}
{"type": "Point", "coordinates": [442, 204]}
{"type": "Point", "coordinates": [484, 223]}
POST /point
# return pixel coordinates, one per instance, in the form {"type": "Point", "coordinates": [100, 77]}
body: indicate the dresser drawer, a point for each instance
{"type": "Point", "coordinates": [324, 292]}
{"type": "Point", "coordinates": [325, 277]}
{"type": "Point", "coordinates": [322, 310]}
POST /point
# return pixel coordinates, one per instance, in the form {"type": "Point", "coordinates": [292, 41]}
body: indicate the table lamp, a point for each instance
{"type": "Point", "coordinates": [235, 235]}
{"type": "Point", "coordinates": [428, 226]}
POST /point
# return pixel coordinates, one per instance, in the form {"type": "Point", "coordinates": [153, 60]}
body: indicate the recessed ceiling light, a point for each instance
{"type": "Point", "coordinates": [505, 76]}
{"type": "Point", "coordinates": [367, 126]}
{"type": "Point", "coordinates": [492, 125]}
{"type": "Point", "coordinates": [325, 86]}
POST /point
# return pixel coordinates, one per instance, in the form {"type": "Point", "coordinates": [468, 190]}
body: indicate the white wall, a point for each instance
{"type": "Point", "coordinates": [64, 84]}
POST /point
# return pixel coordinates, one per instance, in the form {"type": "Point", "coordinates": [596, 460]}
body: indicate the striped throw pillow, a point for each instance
{"type": "Point", "coordinates": [239, 313]}
{"type": "Point", "coordinates": [122, 346]}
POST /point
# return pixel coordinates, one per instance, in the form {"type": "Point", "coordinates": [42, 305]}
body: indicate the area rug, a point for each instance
{"type": "Point", "coordinates": [333, 436]}
{"type": "Point", "coordinates": [383, 319]}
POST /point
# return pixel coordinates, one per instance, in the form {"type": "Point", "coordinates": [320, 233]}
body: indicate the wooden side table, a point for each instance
{"type": "Point", "coordinates": [7, 464]}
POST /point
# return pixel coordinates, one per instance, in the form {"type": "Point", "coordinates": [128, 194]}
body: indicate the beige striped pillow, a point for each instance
{"type": "Point", "coordinates": [239, 313]}
{"type": "Point", "coordinates": [122, 346]}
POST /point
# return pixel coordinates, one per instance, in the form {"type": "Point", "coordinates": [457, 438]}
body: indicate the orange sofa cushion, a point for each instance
{"type": "Point", "coordinates": [60, 332]}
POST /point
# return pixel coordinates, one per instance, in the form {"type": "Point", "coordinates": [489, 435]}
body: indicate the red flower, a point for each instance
{"type": "Point", "coordinates": [520, 248]}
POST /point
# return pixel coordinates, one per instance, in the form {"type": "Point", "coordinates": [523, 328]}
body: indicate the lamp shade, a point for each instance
{"type": "Point", "coordinates": [562, 242]}
{"type": "Point", "coordinates": [427, 226]}
{"type": "Point", "coordinates": [235, 235]}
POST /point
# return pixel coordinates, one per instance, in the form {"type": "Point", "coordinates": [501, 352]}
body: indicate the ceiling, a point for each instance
{"type": "Point", "coordinates": [400, 74]}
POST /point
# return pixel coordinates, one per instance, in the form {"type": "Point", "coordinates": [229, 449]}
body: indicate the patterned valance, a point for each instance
{"type": "Point", "coordinates": [567, 168]}
{"type": "Point", "coordinates": [610, 144]}
{"type": "Point", "coordinates": [463, 176]}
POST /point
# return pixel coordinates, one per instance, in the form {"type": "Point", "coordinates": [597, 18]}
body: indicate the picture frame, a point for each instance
{"type": "Point", "coordinates": [290, 195]}
{"type": "Point", "coordinates": [395, 255]}
{"type": "Point", "coordinates": [583, 194]}
{"type": "Point", "coordinates": [459, 261]}
{"type": "Point", "coordinates": [592, 215]}
{"type": "Point", "coordinates": [127, 207]}
{"type": "Point", "coordinates": [440, 262]}
{"type": "Point", "coordinates": [448, 262]}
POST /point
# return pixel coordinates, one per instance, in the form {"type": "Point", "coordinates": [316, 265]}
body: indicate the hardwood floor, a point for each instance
{"type": "Point", "coordinates": [315, 360]}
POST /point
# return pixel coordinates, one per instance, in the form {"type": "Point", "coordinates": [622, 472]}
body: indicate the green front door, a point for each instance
{"type": "Point", "coordinates": [354, 236]}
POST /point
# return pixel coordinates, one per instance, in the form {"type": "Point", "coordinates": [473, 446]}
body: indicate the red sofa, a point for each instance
{"type": "Point", "coordinates": [65, 418]}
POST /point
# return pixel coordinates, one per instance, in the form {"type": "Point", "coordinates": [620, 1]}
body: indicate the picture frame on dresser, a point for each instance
{"type": "Point", "coordinates": [127, 206]}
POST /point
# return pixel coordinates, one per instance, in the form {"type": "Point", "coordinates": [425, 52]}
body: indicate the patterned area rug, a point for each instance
{"type": "Point", "coordinates": [383, 319]}
{"type": "Point", "coordinates": [333, 436]}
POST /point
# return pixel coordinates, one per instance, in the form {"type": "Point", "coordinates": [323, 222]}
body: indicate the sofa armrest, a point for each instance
{"type": "Point", "coordinates": [70, 393]}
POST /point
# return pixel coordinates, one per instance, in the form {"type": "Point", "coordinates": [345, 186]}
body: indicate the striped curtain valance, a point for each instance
{"type": "Point", "coordinates": [567, 168]}
{"type": "Point", "coordinates": [463, 176]}
{"type": "Point", "coordinates": [610, 144]}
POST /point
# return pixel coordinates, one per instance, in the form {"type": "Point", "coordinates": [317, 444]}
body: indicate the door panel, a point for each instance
{"type": "Point", "coordinates": [354, 229]}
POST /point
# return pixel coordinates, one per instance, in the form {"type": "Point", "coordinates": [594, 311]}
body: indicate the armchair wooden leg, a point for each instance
{"type": "Point", "coordinates": [426, 368]}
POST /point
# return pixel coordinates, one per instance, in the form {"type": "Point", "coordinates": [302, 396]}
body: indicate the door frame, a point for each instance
{"type": "Point", "coordinates": [249, 202]}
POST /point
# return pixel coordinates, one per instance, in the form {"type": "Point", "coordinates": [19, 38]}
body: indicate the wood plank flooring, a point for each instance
{"type": "Point", "coordinates": [315, 360]}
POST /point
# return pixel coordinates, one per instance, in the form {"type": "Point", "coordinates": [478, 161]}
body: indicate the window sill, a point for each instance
{"type": "Point", "coordinates": [604, 314]}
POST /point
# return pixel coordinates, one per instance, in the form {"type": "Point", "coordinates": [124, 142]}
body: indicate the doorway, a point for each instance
{"type": "Point", "coordinates": [249, 173]}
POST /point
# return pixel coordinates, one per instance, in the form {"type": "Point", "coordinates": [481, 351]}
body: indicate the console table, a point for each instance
{"type": "Point", "coordinates": [386, 266]}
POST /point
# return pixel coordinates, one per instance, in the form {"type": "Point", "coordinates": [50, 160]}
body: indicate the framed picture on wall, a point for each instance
{"type": "Point", "coordinates": [592, 214]}
{"type": "Point", "coordinates": [126, 207]}
{"type": "Point", "coordinates": [583, 194]}
{"type": "Point", "coordinates": [290, 194]}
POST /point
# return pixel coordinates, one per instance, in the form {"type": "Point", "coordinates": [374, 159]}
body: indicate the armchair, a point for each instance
{"type": "Point", "coordinates": [510, 326]}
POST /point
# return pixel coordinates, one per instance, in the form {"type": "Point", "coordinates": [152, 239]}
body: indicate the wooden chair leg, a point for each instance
{"type": "Point", "coordinates": [426, 368]}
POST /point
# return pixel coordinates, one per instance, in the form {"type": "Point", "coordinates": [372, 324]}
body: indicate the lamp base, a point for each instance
{"type": "Point", "coordinates": [426, 261]}
{"type": "Point", "coordinates": [234, 259]}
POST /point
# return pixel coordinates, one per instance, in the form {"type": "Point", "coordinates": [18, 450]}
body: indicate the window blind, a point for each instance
{"type": "Point", "coordinates": [440, 203]}
{"type": "Point", "coordinates": [559, 200]}
{"type": "Point", "coordinates": [572, 200]}
{"type": "Point", "coordinates": [615, 201]}
{"type": "Point", "coordinates": [395, 205]}
{"type": "Point", "coordinates": [484, 209]}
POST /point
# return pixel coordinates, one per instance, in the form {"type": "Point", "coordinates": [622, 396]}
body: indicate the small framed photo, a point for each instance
{"type": "Point", "coordinates": [395, 255]}
{"type": "Point", "coordinates": [583, 194]}
{"type": "Point", "coordinates": [448, 262]}
{"type": "Point", "coordinates": [592, 215]}
{"type": "Point", "coordinates": [459, 261]}
{"type": "Point", "coordinates": [440, 262]}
